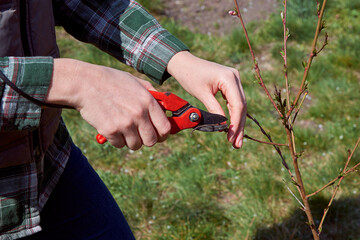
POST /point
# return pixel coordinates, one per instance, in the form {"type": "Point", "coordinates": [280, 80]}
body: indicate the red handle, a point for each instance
{"type": "Point", "coordinates": [168, 101]}
{"type": "Point", "coordinates": [171, 102]}
{"type": "Point", "coordinates": [101, 139]}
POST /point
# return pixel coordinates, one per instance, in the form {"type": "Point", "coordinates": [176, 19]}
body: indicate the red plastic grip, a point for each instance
{"type": "Point", "coordinates": [168, 101]}
{"type": "Point", "coordinates": [101, 139]}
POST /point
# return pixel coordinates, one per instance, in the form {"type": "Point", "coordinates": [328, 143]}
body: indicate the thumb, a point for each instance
{"type": "Point", "coordinates": [211, 104]}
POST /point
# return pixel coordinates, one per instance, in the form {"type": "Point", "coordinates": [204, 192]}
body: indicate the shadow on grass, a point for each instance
{"type": "Point", "coordinates": [341, 223]}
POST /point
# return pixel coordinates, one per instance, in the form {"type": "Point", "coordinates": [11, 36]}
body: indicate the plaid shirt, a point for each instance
{"type": "Point", "coordinates": [121, 28]}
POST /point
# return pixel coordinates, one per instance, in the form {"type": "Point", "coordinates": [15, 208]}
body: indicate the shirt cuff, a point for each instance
{"type": "Point", "coordinates": [146, 45]}
{"type": "Point", "coordinates": [33, 76]}
{"type": "Point", "coordinates": [159, 55]}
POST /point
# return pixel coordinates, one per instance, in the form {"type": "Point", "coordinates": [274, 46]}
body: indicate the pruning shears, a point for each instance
{"type": "Point", "coordinates": [184, 115]}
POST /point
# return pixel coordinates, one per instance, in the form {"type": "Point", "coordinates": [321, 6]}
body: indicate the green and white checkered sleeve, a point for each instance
{"type": "Point", "coordinates": [123, 29]}
{"type": "Point", "coordinates": [33, 76]}
{"type": "Point", "coordinates": [147, 46]}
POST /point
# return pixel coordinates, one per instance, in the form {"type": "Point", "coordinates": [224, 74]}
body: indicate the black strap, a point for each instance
{"type": "Point", "coordinates": [28, 97]}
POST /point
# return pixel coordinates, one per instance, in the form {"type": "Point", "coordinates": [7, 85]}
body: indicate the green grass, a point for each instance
{"type": "Point", "coordinates": [196, 186]}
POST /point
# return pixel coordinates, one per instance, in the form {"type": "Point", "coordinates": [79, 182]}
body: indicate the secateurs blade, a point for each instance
{"type": "Point", "coordinates": [184, 115]}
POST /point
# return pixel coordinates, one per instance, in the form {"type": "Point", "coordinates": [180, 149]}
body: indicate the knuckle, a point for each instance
{"type": "Point", "coordinates": [165, 129]}
{"type": "Point", "coordinates": [151, 142]}
{"type": "Point", "coordinates": [147, 84]}
{"type": "Point", "coordinates": [227, 77]}
{"type": "Point", "coordinates": [148, 135]}
{"type": "Point", "coordinates": [242, 107]}
{"type": "Point", "coordinates": [118, 145]}
{"type": "Point", "coordinates": [235, 71]}
{"type": "Point", "coordinates": [163, 138]}
{"type": "Point", "coordinates": [135, 146]}
{"type": "Point", "coordinates": [126, 124]}
{"type": "Point", "coordinates": [108, 130]}
{"type": "Point", "coordinates": [137, 112]}
{"type": "Point", "coordinates": [232, 73]}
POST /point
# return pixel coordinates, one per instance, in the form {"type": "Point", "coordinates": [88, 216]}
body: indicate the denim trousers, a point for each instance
{"type": "Point", "coordinates": [81, 207]}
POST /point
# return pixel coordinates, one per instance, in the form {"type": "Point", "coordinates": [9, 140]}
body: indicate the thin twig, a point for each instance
{"type": "Point", "coordinates": [353, 169]}
{"type": "Point", "coordinates": [345, 173]}
{"type": "Point", "coordinates": [286, 37]}
{"type": "Point", "coordinates": [312, 55]}
{"type": "Point", "coordinates": [301, 204]}
{"type": "Point", "coordinates": [269, 143]}
{"type": "Point", "coordinates": [300, 105]}
{"type": "Point", "coordinates": [352, 153]}
{"type": "Point", "coordinates": [325, 186]}
{"type": "Point", "coordinates": [324, 44]}
{"type": "Point", "coordinates": [326, 210]}
{"type": "Point", "coordinates": [256, 66]}
{"type": "Point", "coordinates": [276, 147]}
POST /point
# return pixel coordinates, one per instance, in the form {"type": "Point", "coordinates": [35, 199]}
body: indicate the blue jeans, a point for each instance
{"type": "Point", "coordinates": [81, 207]}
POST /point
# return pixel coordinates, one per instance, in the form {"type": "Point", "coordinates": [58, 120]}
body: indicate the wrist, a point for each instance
{"type": "Point", "coordinates": [66, 86]}
{"type": "Point", "coordinates": [178, 61]}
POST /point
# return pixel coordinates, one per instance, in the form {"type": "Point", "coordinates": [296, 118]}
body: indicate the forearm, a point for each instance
{"type": "Point", "coordinates": [66, 87]}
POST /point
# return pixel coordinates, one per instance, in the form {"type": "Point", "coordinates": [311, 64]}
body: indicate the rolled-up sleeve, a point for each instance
{"type": "Point", "coordinates": [124, 29]}
{"type": "Point", "coordinates": [33, 76]}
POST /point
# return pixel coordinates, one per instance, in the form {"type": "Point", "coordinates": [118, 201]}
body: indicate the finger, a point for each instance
{"type": "Point", "coordinates": [211, 104]}
{"type": "Point", "coordinates": [132, 138]}
{"type": "Point", "coordinates": [239, 115]}
{"type": "Point", "coordinates": [147, 132]}
{"type": "Point", "coordinates": [237, 123]}
{"type": "Point", "coordinates": [117, 141]}
{"type": "Point", "coordinates": [240, 138]}
{"type": "Point", "coordinates": [236, 104]}
{"type": "Point", "coordinates": [159, 120]}
{"type": "Point", "coordinates": [238, 142]}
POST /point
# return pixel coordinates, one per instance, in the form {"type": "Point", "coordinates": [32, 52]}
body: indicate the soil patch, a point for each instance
{"type": "Point", "coordinates": [211, 16]}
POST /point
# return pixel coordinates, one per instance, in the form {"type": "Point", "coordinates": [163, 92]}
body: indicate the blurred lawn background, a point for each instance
{"type": "Point", "coordinates": [196, 186]}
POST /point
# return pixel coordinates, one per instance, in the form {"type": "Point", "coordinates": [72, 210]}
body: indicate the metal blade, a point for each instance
{"type": "Point", "coordinates": [211, 118]}
{"type": "Point", "coordinates": [211, 122]}
{"type": "Point", "coordinates": [211, 128]}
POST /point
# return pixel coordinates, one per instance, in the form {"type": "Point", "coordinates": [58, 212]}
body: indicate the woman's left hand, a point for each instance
{"type": "Point", "coordinates": [203, 79]}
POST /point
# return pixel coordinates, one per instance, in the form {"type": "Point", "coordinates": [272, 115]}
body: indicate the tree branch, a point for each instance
{"type": "Point", "coordinates": [344, 174]}
{"type": "Point", "coordinates": [269, 143]}
{"type": "Point", "coordinates": [326, 210]}
{"type": "Point", "coordinates": [256, 66]}
{"type": "Point", "coordinates": [312, 55]}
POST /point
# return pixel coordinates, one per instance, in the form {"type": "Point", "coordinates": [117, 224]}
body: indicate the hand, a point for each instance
{"type": "Point", "coordinates": [116, 103]}
{"type": "Point", "coordinates": [203, 79]}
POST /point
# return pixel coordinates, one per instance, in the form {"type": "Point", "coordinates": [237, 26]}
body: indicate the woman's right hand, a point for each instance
{"type": "Point", "coordinates": [117, 104]}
